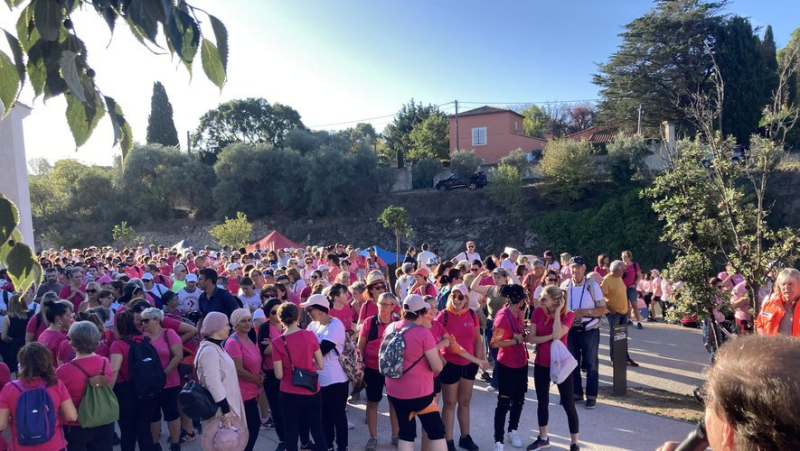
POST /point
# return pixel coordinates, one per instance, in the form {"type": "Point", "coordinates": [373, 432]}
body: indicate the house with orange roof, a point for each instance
{"type": "Point", "coordinates": [492, 133]}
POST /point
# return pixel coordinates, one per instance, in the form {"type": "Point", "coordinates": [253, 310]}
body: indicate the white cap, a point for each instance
{"type": "Point", "coordinates": [414, 303]}
{"type": "Point", "coordinates": [191, 278]}
{"type": "Point", "coordinates": [324, 268]}
{"type": "Point", "coordinates": [147, 276]}
{"type": "Point", "coordinates": [316, 300]}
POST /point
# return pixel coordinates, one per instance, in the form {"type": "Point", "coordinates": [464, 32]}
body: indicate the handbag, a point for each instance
{"type": "Point", "coordinates": [561, 362]}
{"type": "Point", "coordinates": [197, 402]}
{"type": "Point", "coordinates": [300, 377]}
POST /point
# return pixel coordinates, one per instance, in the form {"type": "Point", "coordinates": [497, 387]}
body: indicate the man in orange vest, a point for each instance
{"type": "Point", "coordinates": [778, 314]}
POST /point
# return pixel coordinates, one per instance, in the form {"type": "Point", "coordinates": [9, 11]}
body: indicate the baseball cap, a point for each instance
{"type": "Point", "coordinates": [316, 300]}
{"type": "Point", "coordinates": [422, 272]}
{"type": "Point", "coordinates": [191, 278]}
{"type": "Point", "coordinates": [105, 279]}
{"type": "Point", "coordinates": [414, 302]}
{"type": "Point", "coordinates": [324, 268]}
{"type": "Point", "coordinates": [371, 249]}
{"type": "Point", "coordinates": [147, 276]}
{"type": "Point", "coordinates": [461, 288]}
{"type": "Point", "coordinates": [577, 260]}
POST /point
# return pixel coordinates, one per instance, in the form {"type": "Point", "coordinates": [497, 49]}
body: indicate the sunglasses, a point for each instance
{"type": "Point", "coordinates": [273, 312]}
{"type": "Point", "coordinates": [460, 297]}
{"type": "Point", "coordinates": [475, 269]}
{"type": "Point", "coordinates": [470, 247]}
{"type": "Point", "coordinates": [383, 304]}
{"type": "Point", "coordinates": [91, 291]}
{"type": "Point", "coordinates": [379, 287]}
{"type": "Point", "coordinates": [314, 277]}
{"type": "Point", "coordinates": [550, 279]}
{"type": "Point", "coordinates": [146, 321]}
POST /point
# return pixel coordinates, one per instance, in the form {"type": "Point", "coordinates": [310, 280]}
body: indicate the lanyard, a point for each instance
{"type": "Point", "coordinates": [583, 291]}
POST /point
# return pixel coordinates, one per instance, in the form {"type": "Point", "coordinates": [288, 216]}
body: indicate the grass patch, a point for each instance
{"type": "Point", "coordinates": [655, 401]}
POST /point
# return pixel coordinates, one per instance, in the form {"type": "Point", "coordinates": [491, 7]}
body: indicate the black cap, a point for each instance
{"type": "Point", "coordinates": [577, 260]}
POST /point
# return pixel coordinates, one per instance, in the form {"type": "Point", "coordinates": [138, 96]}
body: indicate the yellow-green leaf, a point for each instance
{"type": "Point", "coordinates": [9, 83]}
{"type": "Point", "coordinates": [9, 218]}
{"type": "Point", "coordinates": [23, 267]}
{"type": "Point", "coordinates": [5, 248]}
{"type": "Point", "coordinates": [212, 64]}
{"type": "Point", "coordinates": [221, 35]}
{"type": "Point", "coordinates": [123, 135]}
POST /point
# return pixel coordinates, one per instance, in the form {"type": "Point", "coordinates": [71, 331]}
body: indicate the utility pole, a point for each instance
{"type": "Point", "coordinates": [639, 125]}
{"type": "Point", "coordinates": [188, 143]}
{"type": "Point", "coordinates": [458, 142]}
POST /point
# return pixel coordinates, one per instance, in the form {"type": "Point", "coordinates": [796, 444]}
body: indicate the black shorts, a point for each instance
{"type": "Point", "coordinates": [422, 408]}
{"type": "Point", "coordinates": [168, 403]}
{"type": "Point", "coordinates": [512, 382]}
{"type": "Point", "coordinates": [437, 384]}
{"type": "Point", "coordinates": [452, 373]}
{"type": "Point", "coordinates": [374, 382]}
{"type": "Point", "coordinates": [648, 298]}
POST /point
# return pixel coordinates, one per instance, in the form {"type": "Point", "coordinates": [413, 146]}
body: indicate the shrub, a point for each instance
{"type": "Point", "coordinates": [464, 162]}
{"type": "Point", "coordinates": [233, 232]}
{"type": "Point", "coordinates": [627, 157]}
{"type": "Point", "coordinates": [424, 171]}
{"type": "Point", "coordinates": [568, 167]}
{"type": "Point", "coordinates": [506, 188]}
{"type": "Point", "coordinates": [518, 160]}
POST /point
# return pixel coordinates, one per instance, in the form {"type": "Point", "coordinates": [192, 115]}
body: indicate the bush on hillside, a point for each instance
{"type": "Point", "coordinates": [627, 157]}
{"type": "Point", "coordinates": [424, 171]}
{"type": "Point", "coordinates": [568, 167]}
{"type": "Point", "coordinates": [464, 162]}
{"type": "Point", "coordinates": [506, 188]}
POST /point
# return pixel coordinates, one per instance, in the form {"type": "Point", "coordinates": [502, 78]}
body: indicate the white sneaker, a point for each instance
{"type": "Point", "coordinates": [513, 438]}
{"type": "Point", "coordinates": [498, 446]}
{"type": "Point", "coordinates": [491, 389]}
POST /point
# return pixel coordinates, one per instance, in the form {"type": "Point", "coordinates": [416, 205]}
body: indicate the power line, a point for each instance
{"type": "Point", "coordinates": [367, 119]}
{"type": "Point", "coordinates": [543, 102]}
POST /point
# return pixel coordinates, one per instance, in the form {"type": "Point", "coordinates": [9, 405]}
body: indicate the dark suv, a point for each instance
{"type": "Point", "coordinates": [474, 181]}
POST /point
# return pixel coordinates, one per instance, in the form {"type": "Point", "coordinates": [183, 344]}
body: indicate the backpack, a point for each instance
{"type": "Point", "coordinates": [99, 405]}
{"type": "Point", "coordinates": [196, 400]}
{"type": "Point", "coordinates": [144, 365]}
{"type": "Point", "coordinates": [373, 329]}
{"type": "Point", "coordinates": [392, 353]}
{"type": "Point", "coordinates": [350, 360]}
{"type": "Point", "coordinates": [35, 415]}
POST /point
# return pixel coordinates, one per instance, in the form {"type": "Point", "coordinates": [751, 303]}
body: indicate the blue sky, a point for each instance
{"type": "Point", "coordinates": [337, 62]}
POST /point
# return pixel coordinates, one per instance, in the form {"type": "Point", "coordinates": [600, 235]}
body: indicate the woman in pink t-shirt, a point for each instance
{"type": "Point", "coordinates": [297, 348]}
{"type": "Point", "coordinates": [59, 317]}
{"type": "Point", "coordinates": [340, 309]}
{"type": "Point", "coordinates": [247, 358]}
{"type": "Point", "coordinates": [603, 262]}
{"type": "Point", "coordinates": [84, 338]}
{"type": "Point", "coordinates": [170, 350]}
{"type": "Point", "coordinates": [411, 394]}
{"type": "Point", "coordinates": [37, 371]}
{"type": "Point", "coordinates": [551, 321]}
{"type": "Point", "coordinates": [464, 356]}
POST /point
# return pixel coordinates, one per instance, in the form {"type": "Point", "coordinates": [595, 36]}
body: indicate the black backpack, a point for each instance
{"type": "Point", "coordinates": [144, 366]}
{"type": "Point", "coordinates": [373, 330]}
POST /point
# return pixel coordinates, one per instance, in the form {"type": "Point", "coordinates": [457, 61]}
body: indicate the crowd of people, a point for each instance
{"type": "Point", "coordinates": [285, 339]}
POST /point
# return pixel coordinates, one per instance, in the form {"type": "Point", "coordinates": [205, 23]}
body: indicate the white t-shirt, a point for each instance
{"type": "Point", "coordinates": [583, 296]}
{"type": "Point", "coordinates": [423, 257]}
{"type": "Point", "coordinates": [468, 256]}
{"type": "Point", "coordinates": [332, 372]}
{"type": "Point", "coordinates": [254, 302]}
{"type": "Point", "coordinates": [508, 265]}
{"type": "Point", "coordinates": [404, 284]}
{"type": "Point", "coordinates": [189, 302]}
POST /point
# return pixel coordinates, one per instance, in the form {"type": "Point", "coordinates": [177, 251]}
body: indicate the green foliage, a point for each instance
{"type": "Point", "coordinates": [398, 133]}
{"type": "Point", "coordinates": [397, 219]}
{"type": "Point", "coordinates": [430, 138]}
{"type": "Point", "coordinates": [518, 160]}
{"type": "Point", "coordinates": [627, 157]}
{"type": "Point", "coordinates": [250, 121]}
{"type": "Point", "coordinates": [160, 124]}
{"type": "Point", "coordinates": [535, 122]}
{"type": "Point", "coordinates": [506, 188]}
{"type": "Point", "coordinates": [124, 234]}
{"type": "Point", "coordinates": [233, 232]}
{"type": "Point", "coordinates": [464, 162]}
{"type": "Point", "coordinates": [58, 64]}
{"type": "Point", "coordinates": [424, 171]}
{"type": "Point", "coordinates": [661, 60]}
{"type": "Point", "coordinates": [624, 221]}
{"type": "Point", "coordinates": [568, 167]}
{"type": "Point", "coordinates": [716, 215]}
{"type": "Point", "coordinates": [23, 268]}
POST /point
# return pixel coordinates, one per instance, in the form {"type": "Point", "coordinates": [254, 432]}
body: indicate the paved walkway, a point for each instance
{"type": "Point", "coordinates": [671, 358]}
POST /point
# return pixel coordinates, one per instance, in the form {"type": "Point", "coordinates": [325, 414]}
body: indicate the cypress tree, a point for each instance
{"type": "Point", "coordinates": [160, 125]}
{"type": "Point", "coordinates": [769, 55]}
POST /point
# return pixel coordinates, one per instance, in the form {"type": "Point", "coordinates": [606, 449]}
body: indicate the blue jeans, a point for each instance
{"type": "Point", "coordinates": [584, 346]}
{"type": "Point", "coordinates": [615, 319]}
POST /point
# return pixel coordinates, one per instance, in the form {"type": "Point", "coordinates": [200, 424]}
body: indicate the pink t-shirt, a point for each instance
{"type": "Point", "coordinates": [369, 309]}
{"type": "Point", "coordinates": [251, 361]}
{"type": "Point", "coordinates": [75, 380]}
{"type": "Point", "coordinates": [544, 326]}
{"type": "Point", "coordinates": [601, 271]}
{"type": "Point", "coordinates": [52, 340]}
{"type": "Point", "coordinates": [120, 347]}
{"type": "Point", "coordinates": [505, 326]}
{"type": "Point", "coordinates": [743, 312]}
{"type": "Point", "coordinates": [76, 300]}
{"type": "Point", "coordinates": [8, 400]}
{"type": "Point", "coordinates": [160, 343]}
{"type": "Point", "coordinates": [302, 345]}
{"type": "Point", "coordinates": [36, 325]}
{"type": "Point", "coordinates": [67, 354]}
{"type": "Point", "coordinates": [461, 327]}
{"type": "Point", "coordinates": [345, 315]}
{"type": "Point", "coordinates": [438, 332]}
{"type": "Point", "coordinates": [373, 346]}
{"type": "Point", "coordinates": [429, 290]}
{"type": "Point", "coordinates": [736, 279]}
{"type": "Point", "coordinates": [417, 381]}
{"type": "Point", "coordinates": [629, 276]}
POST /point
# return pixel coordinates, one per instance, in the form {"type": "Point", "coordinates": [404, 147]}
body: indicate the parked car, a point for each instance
{"type": "Point", "coordinates": [739, 155]}
{"type": "Point", "coordinates": [474, 181]}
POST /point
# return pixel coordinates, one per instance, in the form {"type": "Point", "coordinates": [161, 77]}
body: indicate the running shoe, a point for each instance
{"type": "Point", "coordinates": [372, 444]}
{"type": "Point", "coordinates": [539, 444]}
{"type": "Point", "coordinates": [513, 438]}
{"type": "Point", "coordinates": [467, 443]}
{"type": "Point", "coordinates": [187, 437]}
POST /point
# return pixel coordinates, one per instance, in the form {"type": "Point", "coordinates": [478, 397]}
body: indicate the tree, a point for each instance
{"type": "Point", "coordinates": [535, 121]}
{"type": "Point", "coordinates": [770, 63]}
{"type": "Point", "coordinates": [146, 185]}
{"type": "Point", "coordinates": [39, 166]}
{"type": "Point", "coordinates": [518, 160]}
{"type": "Point", "coordinates": [464, 162]}
{"type": "Point", "coordinates": [398, 132]}
{"type": "Point", "coordinates": [568, 167]}
{"type": "Point", "coordinates": [506, 188]}
{"type": "Point", "coordinates": [16, 256]}
{"type": "Point", "coordinates": [786, 97]}
{"type": "Point", "coordinates": [251, 121]}
{"type": "Point", "coordinates": [58, 64]}
{"type": "Point", "coordinates": [747, 75]}
{"type": "Point", "coordinates": [397, 219]}
{"type": "Point", "coordinates": [124, 234]}
{"type": "Point", "coordinates": [160, 125]}
{"type": "Point", "coordinates": [580, 117]}
{"type": "Point", "coordinates": [430, 138]}
{"type": "Point", "coordinates": [233, 233]}
{"type": "Point", "coordinates": [424, 171]}
{"type": "Point", "coordinates": [661, 60]}
{"type": "Point", "coordinates": [627, 156]}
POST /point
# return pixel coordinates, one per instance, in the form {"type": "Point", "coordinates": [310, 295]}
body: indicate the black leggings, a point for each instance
{"type": "Point", "coordinates": [334, 417]}
{"type": "Point", "coordinates": [513, 383]}
{"type": "Point", "coordinates": [99, 438]}
{"type": "Point", "coordinates": [253, 415]}
{"type": "Point", "coordinates": [272, 387]}
{"type": "Point", "coordinates": [294, 407]}
{"type": "Point", "coordinates": [541, 380]}
{"type": "Point", "coordinates": [134, 419]}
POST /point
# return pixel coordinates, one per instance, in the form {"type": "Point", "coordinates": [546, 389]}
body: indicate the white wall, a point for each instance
{"type": "Point", "coordinates": [14, 168]}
